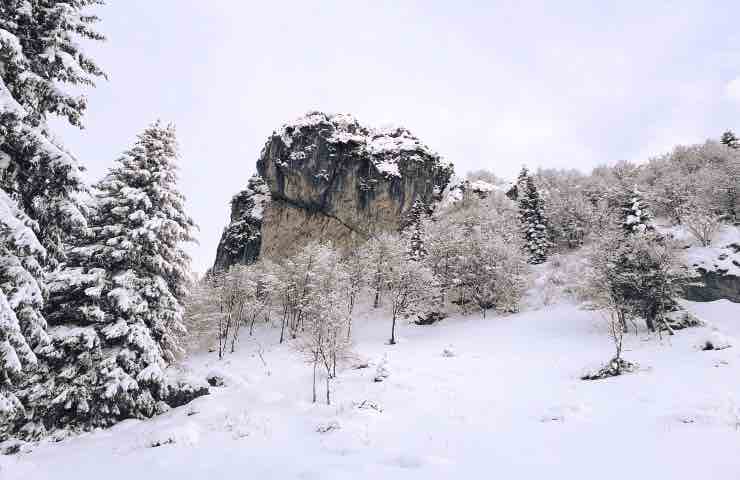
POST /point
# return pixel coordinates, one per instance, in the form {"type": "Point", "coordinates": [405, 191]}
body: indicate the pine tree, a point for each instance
{"type": "Point", "coordinates": [730, 140]}
{"type": "Point", "coordinates": [413, 229]}
{"type": "Point", "coordinates": [40, 183]}
{"type": "Point", "coordinates": [41, 40]}
{"type": "Point", "coordinates": [636, 216]}
{"type": "Point", "coordinates": [21, 328]}
{"type": "Point", "coordinates": [40, 53]}
{"type": "Point", "coordinates": [532, 216]}
{"type": "Point", "coordinates": [120, 295]}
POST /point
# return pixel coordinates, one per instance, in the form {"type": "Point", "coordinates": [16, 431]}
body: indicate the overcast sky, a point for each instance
{"type": "Point", "coordinates": [487, 84]}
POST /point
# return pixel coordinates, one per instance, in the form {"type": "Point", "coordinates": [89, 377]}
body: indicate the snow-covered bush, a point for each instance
{"type": "Point", "coordinates": [382, 371]}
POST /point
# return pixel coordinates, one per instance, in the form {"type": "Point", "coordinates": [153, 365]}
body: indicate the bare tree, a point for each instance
{"type": "Point", "coordinates": [377, 252]}
{"type": "Point", "coordinates": [409, 283]}
{"type": "Point", "coordinates": [354, 272]}
{"type": "Point", "coordinates": [702, 225]}
{"type": "Point", "coordinates": [322, 340]}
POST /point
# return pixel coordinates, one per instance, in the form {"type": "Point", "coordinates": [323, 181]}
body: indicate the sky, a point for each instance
{"type": "Point", "coordinates": [487, 84]}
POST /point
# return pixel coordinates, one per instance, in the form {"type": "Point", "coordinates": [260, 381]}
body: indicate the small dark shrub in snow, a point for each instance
{"type": "Point", "coordinates": [329, 427]}
{"type": "Point", "coordinates": [448, 352]}
{"type": "Point", "coordinates": [715, 341]}
{"type": "Point", "coordinates": [615, 367]}
{"type": "Point", "coordinates": [184, 391]}
{"type": "Point", "coordinates": [430, 318]}
{"type": "Point", "coordinates": [368, 405]}
{"type": "Point", "coordinates": [159, 443]}
{"type": "Point", "coordinates": [215, 380]}
{"type": "Point", "coordinates": [11, 447]}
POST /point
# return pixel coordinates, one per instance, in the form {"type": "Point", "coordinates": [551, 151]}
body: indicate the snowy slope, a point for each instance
{"type": "Point", "coordinates": [507, 403]}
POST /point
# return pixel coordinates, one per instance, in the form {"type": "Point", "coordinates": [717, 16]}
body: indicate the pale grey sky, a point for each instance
{"type": "Point", "coordinates": [488, 84]}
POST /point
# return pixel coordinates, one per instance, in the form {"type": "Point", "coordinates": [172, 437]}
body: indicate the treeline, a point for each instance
{"type": "Point", "coordinates": [696, 186]}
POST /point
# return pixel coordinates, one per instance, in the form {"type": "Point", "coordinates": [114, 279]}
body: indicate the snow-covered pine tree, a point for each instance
{"type": "Point", "coordinates": [41, 38]}
{"type": "Point", "coordinates": [21, 328]}
{"type": "Point", "coordinates": [40, 183]}
{"type": "Point", "coordinates": [532, 216]}
{"type": "Point", "coordinates": [730, 140]}
{"type": "Point", "coordinates": [413, 229]}
{"type": "Point", "coordinates": [40, 52]}
{"type": "Point", "coordinates": [121, 292]}
{"type": "Point", "coordinates": [636, 216]}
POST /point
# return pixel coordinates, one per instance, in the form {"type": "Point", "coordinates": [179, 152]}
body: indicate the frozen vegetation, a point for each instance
{"type": "Point", "coordinates": [535, 329]}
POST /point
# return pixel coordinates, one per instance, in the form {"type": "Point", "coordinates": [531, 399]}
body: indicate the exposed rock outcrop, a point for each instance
{"type": "Point", "coordinates": [327, 177]}
{"type": "Point", "coordinates": [717, 274]}
{"type": "Point", "coordinates": [240, 243]}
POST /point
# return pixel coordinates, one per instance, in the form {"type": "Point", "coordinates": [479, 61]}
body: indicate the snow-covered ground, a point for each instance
{"type": "Point", "coordinates": [466, 398]}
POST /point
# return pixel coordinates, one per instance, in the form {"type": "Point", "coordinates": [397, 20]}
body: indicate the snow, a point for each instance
{"type": "Point", "coordinates": [386, 146]}
{"type": "Point", "coordinates": [723, 256]}
{"type": "Point", "coordinates": [510, 403]}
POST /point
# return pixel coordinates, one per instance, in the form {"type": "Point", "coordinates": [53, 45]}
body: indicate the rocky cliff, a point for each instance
{"type": "Point", "coordinates": [330, 178]}
{"type": "Point", "coordinates": [716, 274]}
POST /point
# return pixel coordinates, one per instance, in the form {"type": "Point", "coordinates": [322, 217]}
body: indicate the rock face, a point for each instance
{"type": "Point", "coordinates": [717, 274]}
{"type": "Point", "coordinates": [329, 178]}
{"type": "Point", "coordinates": [241, 240]}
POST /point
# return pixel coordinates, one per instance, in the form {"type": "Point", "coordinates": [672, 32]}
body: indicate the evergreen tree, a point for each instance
{"type": "Point", "coordinates": [21, 328]}
{"type": "Point", "coordinates": [532, 216]}
{"type": "Point", "coordinates": [636, 216]}
{"type": "Point", "coordinates": [122, 291]}
{"type": "Point", "coordinates": [413, 229]}
{"type": "Point", "coordinates": [40, 183]}
{"type": "Point", "coordinates": [729, 139]}
{"type": "Point", "coordinates": [41, 49]}
{"type": "Point", "coordinates": [40, 53]}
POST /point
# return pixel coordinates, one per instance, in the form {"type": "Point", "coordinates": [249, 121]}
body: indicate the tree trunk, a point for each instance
{"type": "Point", "coordinates": [251, 325]}
{"type": "Point", "coordinates": [235, 337]}
{"type": "Point", "coordinates": [328, 400]}
{"type": "Point", "coordinates": [650, 323]}
{"type": "Point", "coordinates": [393, 330]}
{"type": "Point", "coordinates": [282, 327]}
{"type": "Point", "coordinates": [315, 363]}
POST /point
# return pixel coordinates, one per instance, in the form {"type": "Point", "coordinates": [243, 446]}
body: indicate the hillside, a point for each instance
{"type": "Point", "coordinates": [508, 403]}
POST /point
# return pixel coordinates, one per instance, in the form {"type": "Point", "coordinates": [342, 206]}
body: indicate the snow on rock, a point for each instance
{"type": "Point", "coordinates": [716, 269]}
{"type": "Point", "coordinates": [458, 187]}
{"type": "Point", "coordinates": [241, 241]}
{"type": "Point", "coordinates": [386, 146]}
{"type": "Point", "coordinates": [331, 179]}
